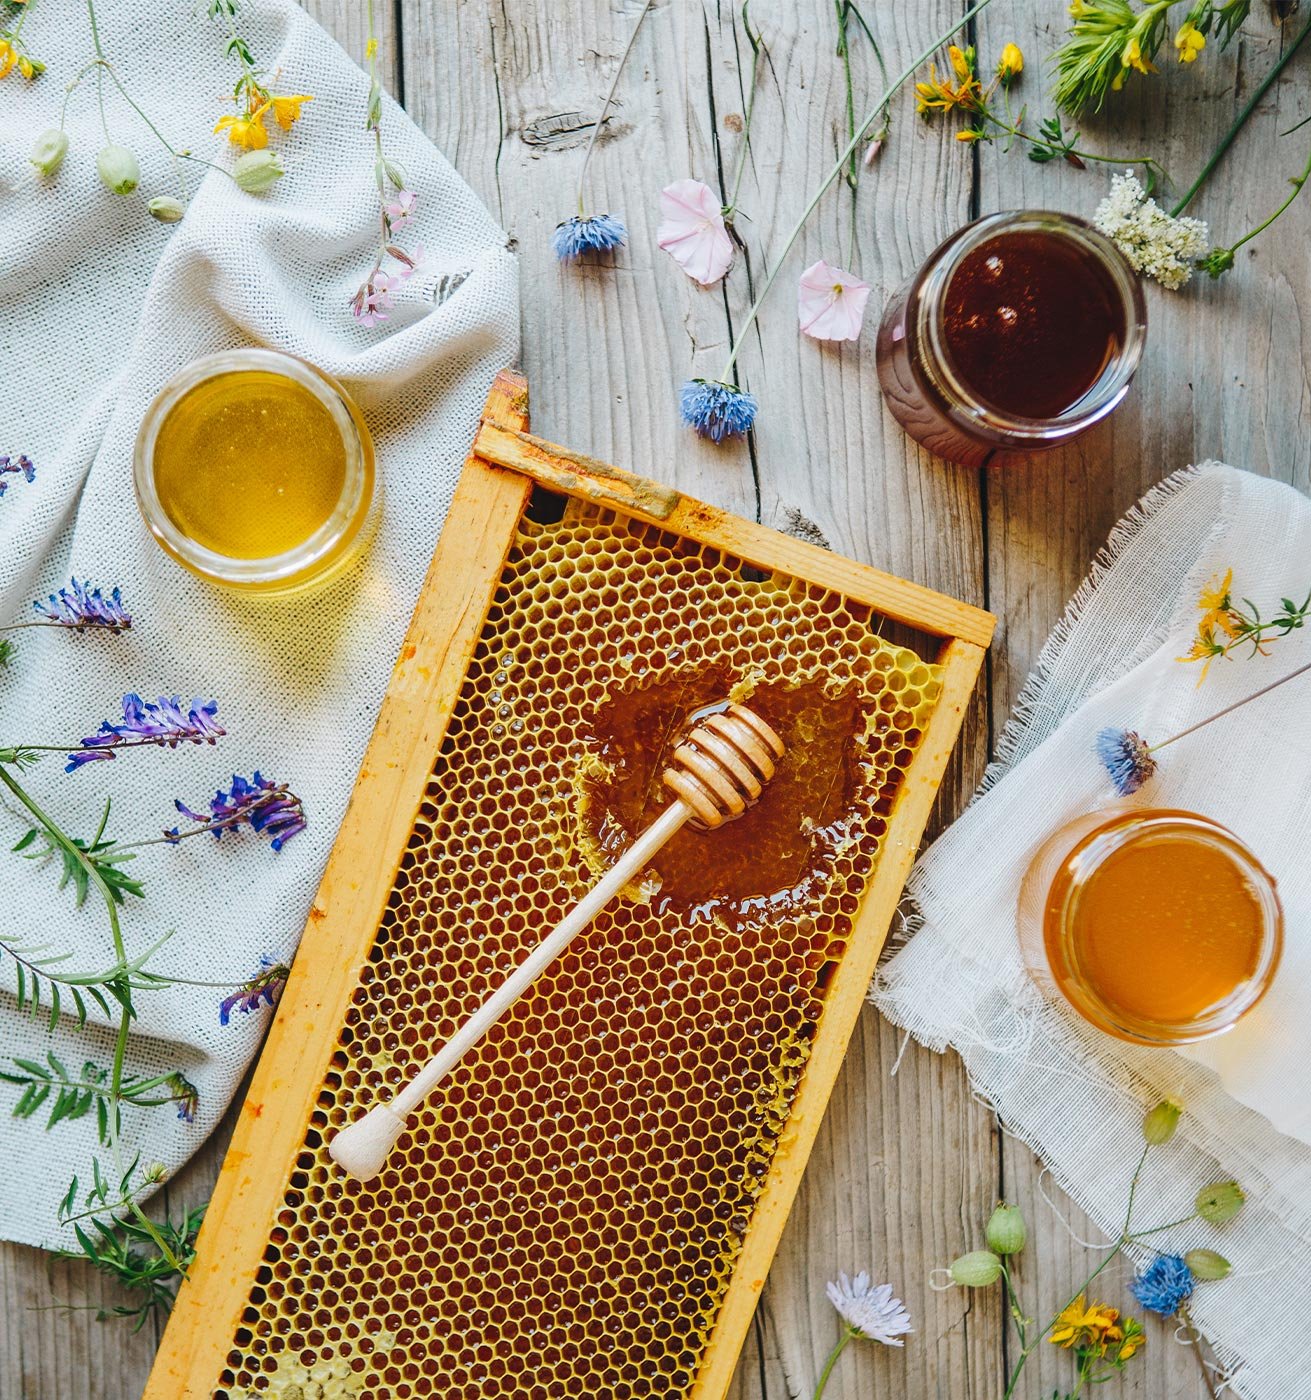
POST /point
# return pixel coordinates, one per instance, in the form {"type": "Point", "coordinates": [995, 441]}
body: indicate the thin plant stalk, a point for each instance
{"type": "Point", "coordinates": [847, 1334]}
{"type": "Point", "coordinates": [1229, 709]}
{"type": "Point", "coordinates": [744, 149]}
{"type": "Point", "coordinates": [834, 172]}
{"type": "Point", "coordinates": [1240, 120]}
{"type": "Point", "coordinates": [609, 98]}
{"type": "Point", "coordinates": [1298, 181]}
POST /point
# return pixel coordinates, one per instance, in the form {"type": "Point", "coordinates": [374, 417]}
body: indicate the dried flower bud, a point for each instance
{"type": "Point", "coordinates": [49, 150]}
{"type": "Point", "coordinates": [976, 1270]}
{"type": "Point", "coordinates": [1220, 1201]}
{"type": "Point", "coordinates": [1006, 1231]}
{"type": "Point", "coordinates": [154, 1173]}
{"type": "Point", "coordinates": [257, 171]}
{"type": "Point", "coordinates": [1207, 1265]}
{"type": "Point", "coordinates": [166, 209]}
{"type": "Point", "coordinates": [1161, 1121]}
{"type": "Point", "coordinates": [118, 168]}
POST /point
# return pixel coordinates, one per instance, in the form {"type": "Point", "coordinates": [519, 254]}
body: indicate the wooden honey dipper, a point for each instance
{"type": "Point", "coordinates": [716, 773]}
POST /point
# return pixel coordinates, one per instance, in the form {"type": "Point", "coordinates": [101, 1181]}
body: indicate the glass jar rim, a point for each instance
{"type": "Point", "coordinates": [292, 565]}
{"type": "Point", "coordinates": [1093, 850]}
{"type": "Point", "coordinates": [963, 403]}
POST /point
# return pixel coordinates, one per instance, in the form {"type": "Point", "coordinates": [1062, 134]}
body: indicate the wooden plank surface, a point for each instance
{"type": "Point", "coordinates": [907, 1164]}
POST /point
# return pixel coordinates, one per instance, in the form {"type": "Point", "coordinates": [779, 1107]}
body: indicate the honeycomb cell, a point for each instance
{"type": "Point", "coordinates": [564, 1216]}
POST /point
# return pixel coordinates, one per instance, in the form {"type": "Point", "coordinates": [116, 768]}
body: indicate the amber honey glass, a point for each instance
{"type": "Point", "coordinates": [943, 356]}
{"type": "Point", "coordinates": [1157, 926]}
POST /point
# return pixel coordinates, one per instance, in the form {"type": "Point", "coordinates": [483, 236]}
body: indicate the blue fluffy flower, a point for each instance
{"type": "Point", "coordinates": [1127, 758]}
{"type": "Point", "coordinates": [1165, 1285]}
{"type": "Point", "coordinates": [165, 722]}
{"type": "Point", "coordinates": [717, 410]}
{"type": "Point", "coordinates": [81, 606]}
{"type": "Point", "coordinates": [597, 233]}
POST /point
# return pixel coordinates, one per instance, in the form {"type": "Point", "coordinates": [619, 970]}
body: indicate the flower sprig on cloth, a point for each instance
{"type": "Point", "coordinates": [868, 1311]}
{"type": "Point", "coordinates": [1227, 625]}
{"type": "Point", "coordinates": [255, 101]}
{"type": "Point", "coordinates": [14, 52]}
{"type": "Point", "coordinates": [20, 466]}
{"type": "Point", "coordinates": [1102, 1339]}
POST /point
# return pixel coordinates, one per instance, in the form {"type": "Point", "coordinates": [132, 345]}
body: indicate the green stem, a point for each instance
{"type": "Point", "coordinates": [1017, 1314]}
{"type": "Point", "coordinates": [1241, 120]}
{"type": "Point", "coordinates": [1012, 129]}
{"type": "Point", "coordinates": [836, 170]}
{"type": "Point", "coordinates": [1228, 709]}
{"type": "Point", "coordinates": [847, 1334]}
{"type": "Point", "coordinates": [744, 146]}
{"type": "Point", "coordinates": [1159, 1229]}
{"type": "Point", "coordinates": [609, 98]}
{"type": "Point", "coordinates": [1297, 182]}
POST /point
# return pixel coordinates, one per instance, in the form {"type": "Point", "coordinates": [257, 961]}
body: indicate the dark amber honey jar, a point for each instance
{"type": "Point", "coordinates": [1019, 333]}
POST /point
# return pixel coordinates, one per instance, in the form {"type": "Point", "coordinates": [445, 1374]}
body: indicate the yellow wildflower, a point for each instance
{"type": "Point", "coordinates": [1078, 8]}
{"type": "Point", "coordinates": [969, 134]}
{"type": "Point", "coordinates": [1205, 649]}
{"type": "Point", "coordinates": [962, 61]}
{"type": "Point", "coordinates": [26, 67]}
{"type": "Point", "coordinates": [1190, 41]}
{"type": "Point", "coordinates": [247, 131]}
{"type": "Point", "coordinates": [1214, 601]}
{"type": "Point", "coordinates": [1011, 63]}
{"type": "Point", "coordinates": [1134, 1339]}
{"type": "Point", "coordinates": [1132, 57]}
{"type": "Point", "coordinates": [8, 57]}
{"type": "Point", "coordinates": [938, 95]}
{"type": "Point", "coordinates": [286, 110]}
{"type": "Point", "coordinates": [1093, 1326]}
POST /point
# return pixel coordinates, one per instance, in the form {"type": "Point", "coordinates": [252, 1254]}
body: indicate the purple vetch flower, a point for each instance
{"type": "Point", "coordinates": [717, 410]}
{"type": "Point", "coordinates": [165, 723]}
{"type": "Point", "coordinates": [185, 1094]}
{"type": "Point", "coordinates": [266, 985]}
{"type": "Point", "coordinates": [1165, 1285]}
{"type": "Point", "coordinates": [16, 466]}
{"type": "Point", "coordinates": [593, 233]}
{"type": "Point", "coordinates": [81, 606]}
{"type": "Point", "coordinates": [1127, 758]}
{"type": "Point", "coordinates": [270, 809]}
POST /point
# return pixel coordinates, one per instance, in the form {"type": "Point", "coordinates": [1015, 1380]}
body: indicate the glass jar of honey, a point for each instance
{"type": "Point", "coordinates": [1019, 333]}
{"type": "Point", "coordinates": [1157, 926]}
{"type": "Point", "coordinates": [255, 470]}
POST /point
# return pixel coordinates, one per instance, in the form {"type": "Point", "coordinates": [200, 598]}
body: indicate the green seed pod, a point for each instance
{"type": "Point", "coordinates": [1006, 1231]}
{"type": "Point", "coordinates": [257, 171]}
{"type": "Point", "coordinates": [1220, 1201]}
{"type": "Point", "coordinates": [166, 209]}
{"type": "Point", "coordinates": [1207, 1265]}
{"type": "Point", "coordinates": [119, 171]}
{"type": "Point", "coordinates": [49, 150]}
{"type": "Point", "coordinates": [1161, 1121]}
{"type": "Point", "coordinates": [394, 173]}
{"type": "Point", "coordinates": [976, 1270]}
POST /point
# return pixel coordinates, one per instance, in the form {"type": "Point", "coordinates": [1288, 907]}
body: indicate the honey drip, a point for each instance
{"type": "Point", "coordinates": [249, 464]}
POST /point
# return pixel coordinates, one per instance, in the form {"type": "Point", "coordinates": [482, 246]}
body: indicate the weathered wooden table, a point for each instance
{"type": "Point", "coordinates": [907, 1164]}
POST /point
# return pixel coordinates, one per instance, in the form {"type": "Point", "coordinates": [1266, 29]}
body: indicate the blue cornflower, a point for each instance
{"type": "Point", "coordinates": [717, 410]}
{"type": "Point", "coordinates": [165, 722]}
{"type": "Point", "coordinates": [1164, 1285]}
{"type": "Point", "coordinates": [594, 233]}
{"type": "Point", "coordinates": [270, 809]}
{"type": "Point", "coordinates": [21, 467]}
{"type": "Point", "coordinates": [82, 606]}
{"type": "Point", "coordinates": [185, 1095]}
{"type": "Point", "coordinates": [1127, 758]}
{"type": "Point", "coordinates": [266, 985]}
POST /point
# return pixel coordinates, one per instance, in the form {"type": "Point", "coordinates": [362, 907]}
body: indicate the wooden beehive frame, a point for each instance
{"type": "Point", "coordinates": [504, 464]}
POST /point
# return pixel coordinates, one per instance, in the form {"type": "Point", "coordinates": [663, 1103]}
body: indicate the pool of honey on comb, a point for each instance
{"type": "Point", "coordinates": [564, 1216]}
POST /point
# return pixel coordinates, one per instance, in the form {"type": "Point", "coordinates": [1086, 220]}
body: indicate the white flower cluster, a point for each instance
{"type": "Point", "coordinates": [1154, 243]}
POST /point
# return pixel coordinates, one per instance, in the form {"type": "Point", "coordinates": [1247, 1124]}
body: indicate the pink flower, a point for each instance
{"type": "Point", "coordinates": [693, 232]}
{"type": "Point", "coordinates": [371, 302]}
{"type": "Point", "coordinates": [830, 302]}
{"type": "Point", "coordinates": [401, 210]}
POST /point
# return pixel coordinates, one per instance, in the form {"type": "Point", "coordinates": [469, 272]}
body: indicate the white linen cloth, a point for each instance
{"type": "Point", "coordinates": [101, 306]}
{"type": "Point", "coordinates": [1075, 1096]}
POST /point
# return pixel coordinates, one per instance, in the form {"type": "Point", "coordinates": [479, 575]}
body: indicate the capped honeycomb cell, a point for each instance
{"type": "Point", "coordinates": [564, 1215]}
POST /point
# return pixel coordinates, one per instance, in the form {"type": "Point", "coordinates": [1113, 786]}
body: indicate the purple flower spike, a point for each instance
{"type": "Point", "coordinates": [185, 1095]}
{"type": "Point", "coordinates": [266, 986]}
{"type": "Point", "coordinates": [269, 808]}
{"type": "Point", "coordinates": [82, 606]}
{"type": "Point", "coordinates": [20, 466]}
{"type": "Point", "coordinates": [1127, 758]}
{"type": "Point", "coordinates": [165, 723]}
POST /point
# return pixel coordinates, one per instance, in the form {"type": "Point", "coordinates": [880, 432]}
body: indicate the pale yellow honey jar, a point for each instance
{"type": "Point", "coordinates": [255, 470]}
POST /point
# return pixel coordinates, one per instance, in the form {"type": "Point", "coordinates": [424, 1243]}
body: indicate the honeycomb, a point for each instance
{"type": "Point", "coordinates": [563, 1217]}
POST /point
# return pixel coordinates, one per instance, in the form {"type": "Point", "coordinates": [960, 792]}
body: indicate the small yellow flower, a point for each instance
{"type": "Point", "coordinates": [1011, 63]}
{"type": "Point", "coordinates": [8, 57]}
{"type": "Point", "coordinates": [1078, 8]}
{"type": "Point", "coordinates": [286, 110]}
{"type": "Point", "coordinates": [1214, 601]}
{"type": "Point", "coordinates": [962, 61]}
{"type": "Point", "coordinates": [1190, 41]}
{"type": "Point", "coordinates": [1132, 57]}
{"type": "Point", "coordinates": [26, 67]}
{"type": "Point", "coordinates": [1134, 1339]}
{"type": "Point", "coordinates": [938, 95]}
{"type": "Point", "coordinates": [246, 131]}
{"type": "Point", "coordinates": [969, 134]}
{"type": "Point", "coordinates": [1093, 1326]}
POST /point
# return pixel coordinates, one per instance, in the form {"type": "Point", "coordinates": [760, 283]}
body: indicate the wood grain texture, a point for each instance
{"type": "Point", "coordinates": [905, 1167]}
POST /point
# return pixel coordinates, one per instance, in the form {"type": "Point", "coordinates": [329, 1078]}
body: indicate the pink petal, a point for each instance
{"type": "Point", "coordinates": [692, 231]}
{"type": "Point", "coordinates": [830, 302]}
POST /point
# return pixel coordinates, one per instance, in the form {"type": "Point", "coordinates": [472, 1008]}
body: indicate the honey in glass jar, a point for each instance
{"type": "Point", "coordinates": [1020, 332]}
{"type": "Point", "coordinates": [255, 470]}
{"type": "Point", "coordinates": [1157, 926]}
